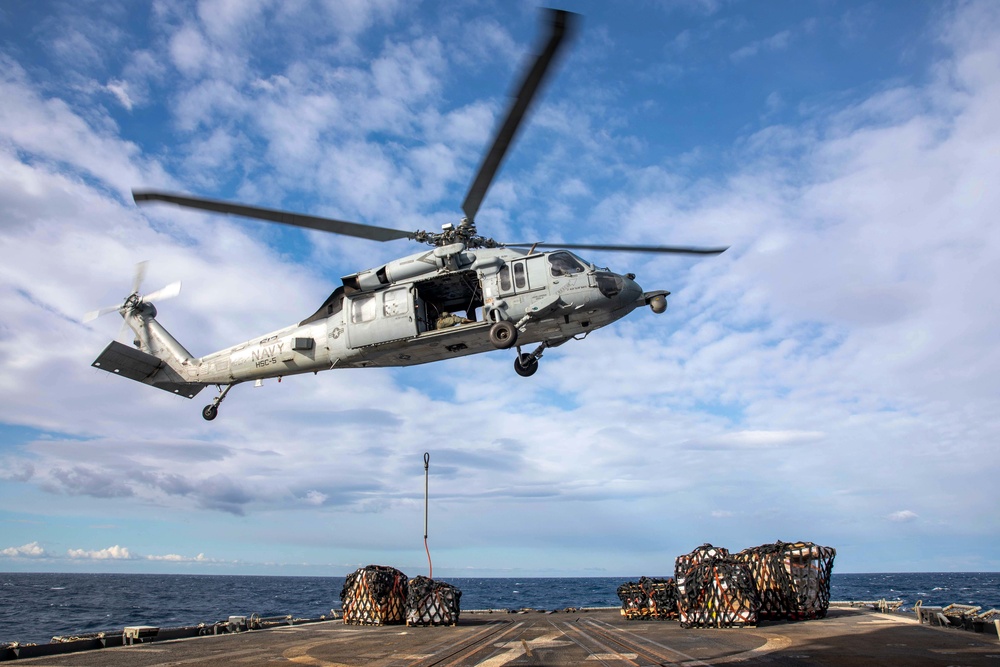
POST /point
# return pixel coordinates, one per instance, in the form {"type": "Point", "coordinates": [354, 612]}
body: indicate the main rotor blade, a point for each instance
{"type": "Point", "coordinates": [560, 24]}
{"type": "Point", "coordinates": [284, 217]}
{"type": "Point", "coordinates": [670, 249]}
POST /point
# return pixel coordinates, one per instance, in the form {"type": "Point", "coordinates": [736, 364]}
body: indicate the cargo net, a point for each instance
{"type": "Point", "coordinates": [430, 602]}
{"type": "Point", "coordinates": [374, 595]}
{"type": "Point", "coordinates": [793, 579]}
{"type": "Point", "coordinates": [648, 599]}
{"type": "Point", "coordinates": [714, 590]}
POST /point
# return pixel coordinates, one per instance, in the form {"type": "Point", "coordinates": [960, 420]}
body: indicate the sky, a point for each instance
{"type": "Point", "coordinates": [833, 377]}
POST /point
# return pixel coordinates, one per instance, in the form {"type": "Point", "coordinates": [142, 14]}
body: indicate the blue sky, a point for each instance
{"type": "Point", "coordinates": [832, 377]}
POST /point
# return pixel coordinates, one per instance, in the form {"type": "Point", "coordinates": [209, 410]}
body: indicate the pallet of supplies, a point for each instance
{"type": "Point", "coordinates": [650, 598]}
{"type": "Point", "coordinates": [430, 602]}
{"type": "Point", "coordinates": [792, 579]}
{"type": "Point", "coordinates": [685, 562]}
{"type": "Point", "coordinates": [374, 595]}
{"type": "Point", "coordinates": [714, 590]}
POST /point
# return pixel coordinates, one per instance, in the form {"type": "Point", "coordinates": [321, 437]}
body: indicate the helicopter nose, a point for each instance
{"type": "Point", "coordinates": [631, 291]}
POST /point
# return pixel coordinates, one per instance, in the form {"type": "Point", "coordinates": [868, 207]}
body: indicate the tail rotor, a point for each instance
{"type": "Point", "coordinates": [135, 299]}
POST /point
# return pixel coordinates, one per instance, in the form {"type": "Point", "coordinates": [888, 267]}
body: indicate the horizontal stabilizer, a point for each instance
{"type": "Point", "coordinates": [136, 365]}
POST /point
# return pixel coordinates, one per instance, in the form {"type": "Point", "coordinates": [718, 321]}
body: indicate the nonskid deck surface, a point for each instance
{"type": "Point", "coordinates": [599, 637]}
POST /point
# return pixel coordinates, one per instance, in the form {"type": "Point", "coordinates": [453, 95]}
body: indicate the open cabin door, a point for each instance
{"type": "Point", "coordinates": [380, 317]}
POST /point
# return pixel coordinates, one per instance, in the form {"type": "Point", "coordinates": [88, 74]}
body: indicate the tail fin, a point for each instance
{"type": "Point", "coordinates": [137, 365]}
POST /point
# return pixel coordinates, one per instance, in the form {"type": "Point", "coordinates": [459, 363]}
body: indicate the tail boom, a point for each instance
{"type": "Point", "coordinates": [160, 361]}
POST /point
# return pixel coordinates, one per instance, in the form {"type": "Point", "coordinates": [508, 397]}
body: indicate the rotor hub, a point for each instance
{"type": "Point", "coordinates": [450, 234]}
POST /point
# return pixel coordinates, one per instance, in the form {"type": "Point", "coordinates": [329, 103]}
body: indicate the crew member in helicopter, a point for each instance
{"type": "Point", "coordinates": [447, 320]}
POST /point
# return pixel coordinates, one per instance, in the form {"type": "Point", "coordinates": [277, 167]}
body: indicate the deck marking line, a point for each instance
{"type": "Point", "coordinates": [446, 653]}
{"type": "Point", "coordinates": [608, 650]}
{"type": "Point", "coordinates": [516, 649]}
{"type": "Point", "coordinates": [300, 654]}
{"type": "Point", "coordinates": [639, 638]}
{"type": "Point", "coordinates": [775, 643]}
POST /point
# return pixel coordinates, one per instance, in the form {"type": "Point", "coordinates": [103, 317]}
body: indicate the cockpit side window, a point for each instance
{"type": "Point", "coordinates": [564, 264]}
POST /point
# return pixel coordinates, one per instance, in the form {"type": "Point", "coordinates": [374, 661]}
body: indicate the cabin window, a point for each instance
{"type": "Point", "coordinates": [564, 264]}
{"type": "Point", "coordinates": [505, 278]}
{"type": "Point", "coordinates": [395, 302]}
{"type": "Point", "coordinates": [520, 279]}
{"type": "Point", "coordinates": [363, 309]}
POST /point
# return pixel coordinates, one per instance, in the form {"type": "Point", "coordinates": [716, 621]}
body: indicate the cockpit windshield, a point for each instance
{"type": "Point", "coordinates": [564, 264]}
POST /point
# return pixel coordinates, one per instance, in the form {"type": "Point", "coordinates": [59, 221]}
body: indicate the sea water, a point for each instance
{"type": "Point", "coordinates": [36, 607]}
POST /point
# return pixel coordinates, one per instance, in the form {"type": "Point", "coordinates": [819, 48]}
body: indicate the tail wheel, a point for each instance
{"type": "Point", "coordinates": [525, 365]}
{"type": "Point", "coordinates": [503, 335]}
{"type": "Point", "coordinates": [210, 412]}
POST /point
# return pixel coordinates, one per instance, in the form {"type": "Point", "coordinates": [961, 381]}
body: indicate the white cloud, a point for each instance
{"type": "Point", "coordinates": [29, 550]}
{"type": "Point", "coordinates": [176, 558]}
{"type": "Point", "coordinates": [111, 553]}
{"type": "Point", "coordinates": [759, 439]}
{"type": "Point", "coordinates": [51, 130]}
{"type": "Point", "coordinates": [314, 497]}
{"type": "Point", "coordinates": [776, 42]}
{"type": "Point", "coordinates": [903, 516]}
{"type": "Point", "coordinates": [120, 90]}
{"type": "Point", "coordinates": [189, 51]}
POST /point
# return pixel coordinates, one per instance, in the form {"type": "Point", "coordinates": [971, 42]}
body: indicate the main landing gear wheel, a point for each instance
{"type": "Point", "coordinates": [503, 335]}
{"type": "Point", "coordinates": [525, 365]}
{"type": "Point", "coordinates": [210, 412]}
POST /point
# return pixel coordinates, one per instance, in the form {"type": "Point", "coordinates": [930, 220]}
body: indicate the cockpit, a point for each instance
{"type": "Point", "coordinates": [562, 263]}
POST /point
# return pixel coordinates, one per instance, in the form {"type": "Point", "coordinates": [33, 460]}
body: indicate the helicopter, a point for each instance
{"type": "Point", "coordinates": [404, 312]}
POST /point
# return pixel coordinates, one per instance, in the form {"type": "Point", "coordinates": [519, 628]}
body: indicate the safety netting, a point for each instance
{"type": "Point", "coordinates": [374, 595]}
{"type": "Point", "coordinates": [714, 590]}
{"type": "Point", "coordinates": [430, 602]}
{"type": "Point", "coordinates": [792, 578]}
{"type": "Point", "coordinates": [650, 598]}
{"type": "Point", "coordinates": [685, 562]}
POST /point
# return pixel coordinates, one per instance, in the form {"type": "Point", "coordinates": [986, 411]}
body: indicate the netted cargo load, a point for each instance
{"type": "Point", "coordinates": [792, 578]}
{"type": "Point", "coordinates": [773, 581]}
{"type": "Point", "coordinates": [430, 602]}
{"type": "Point", "coordinates": [685, 562]}
{"type": "Point", "coordinates": [649, 599]}
{"type": "Point", "coordinates": [374, 595]}
{"type": "Point", "coordinates": [812, 568]}
{"type": "Point", "coordinates": [717, 592]}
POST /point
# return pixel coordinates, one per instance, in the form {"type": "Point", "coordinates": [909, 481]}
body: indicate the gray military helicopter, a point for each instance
{"type": "Point", "coordinates": [403, 313]}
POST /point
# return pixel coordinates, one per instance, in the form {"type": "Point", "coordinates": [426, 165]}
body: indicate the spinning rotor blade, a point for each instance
{"type": "Point", "coordinates": [284, 217]}
{"type": "Point", "coordinates": [560, 24]}
{"type": "Point", "coordinates": [667, 249]}
{"type": "Point", "coordinates": [139, 276]}
{"type": "Point", "coordinates": [168, 292]}
{"type": "Point", "coordinates": [94, 314]}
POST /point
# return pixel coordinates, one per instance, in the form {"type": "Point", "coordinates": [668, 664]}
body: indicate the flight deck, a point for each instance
{"type": "Point", "coordinates": [847, 636]}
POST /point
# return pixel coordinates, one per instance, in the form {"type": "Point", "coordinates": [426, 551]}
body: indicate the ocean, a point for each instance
{"type": "Point", "coordinates": [36, 607]}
